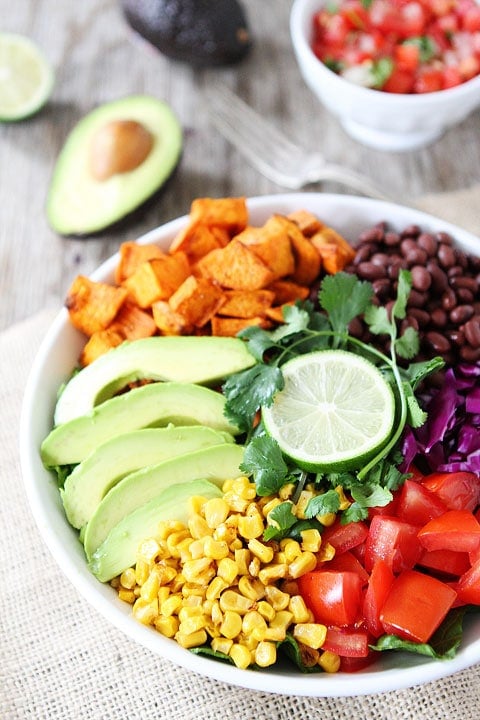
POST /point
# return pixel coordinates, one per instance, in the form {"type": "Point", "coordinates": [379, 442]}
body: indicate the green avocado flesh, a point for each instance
{"type": "Point", "coordinates": [80, 204]}
{"type": "Point", "coordinates": [155, 358]}
{"type": "Point", "coordinates": [90, 481]}
{"type": "Point", "coordinates": [119, 549]}
{"type": "Point", "coordinates": [153, 405]}
{"type": "Point", "coordinates": [217, 464]}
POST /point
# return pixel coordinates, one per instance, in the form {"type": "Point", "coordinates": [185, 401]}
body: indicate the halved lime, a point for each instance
{"type": "Point", "coordinates": [26, 77]}
{"type": "Point", "coordinates": [334, 412]}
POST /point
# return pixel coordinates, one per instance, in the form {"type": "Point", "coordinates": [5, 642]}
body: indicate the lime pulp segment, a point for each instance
{"type": "Point", "coordinates": [335, 410]}
{"type": "Point", "coordinates": [26, 78]}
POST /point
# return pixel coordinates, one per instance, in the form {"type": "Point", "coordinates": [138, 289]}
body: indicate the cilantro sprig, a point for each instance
{"type": "Point", "coordinates": [342, 298]}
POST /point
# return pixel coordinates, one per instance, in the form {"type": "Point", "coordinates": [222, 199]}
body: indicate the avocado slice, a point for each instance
{"type": "Point", "coordinates": [99, 472]}
{"type": "Point", "coordinates": [119, 549]}
{"type": "Point", "coordinates": [114, 159]}
{"type": "Point", "coordinates": [217, 464]}
{"type": "Point", "coordinates": [152, 405]}
{"type": "Point", "coordinates": [203, 360]}
{"type": "Point", "coordinates": [199, 32]}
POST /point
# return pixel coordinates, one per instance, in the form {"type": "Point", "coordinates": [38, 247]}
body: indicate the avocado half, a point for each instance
{"type": "Point", "coordinates": [114, 160]}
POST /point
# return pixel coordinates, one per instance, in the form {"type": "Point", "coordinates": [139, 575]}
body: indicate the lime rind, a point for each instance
{"type": "Point", "coordinates": [334, 413]}
{"type": "Point", "coordinates": [26, 78]}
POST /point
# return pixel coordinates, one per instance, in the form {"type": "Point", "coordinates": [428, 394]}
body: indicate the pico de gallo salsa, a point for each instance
{"type": "Point", "coordinates": [399, 46]}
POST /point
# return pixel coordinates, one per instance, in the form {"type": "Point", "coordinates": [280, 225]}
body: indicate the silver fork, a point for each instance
{"type": "Point", "coordinates": [273, 154]}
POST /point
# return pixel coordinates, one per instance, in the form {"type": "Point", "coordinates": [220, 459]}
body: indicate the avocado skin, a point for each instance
{"type": "Point", "coordinates": [199, 32]}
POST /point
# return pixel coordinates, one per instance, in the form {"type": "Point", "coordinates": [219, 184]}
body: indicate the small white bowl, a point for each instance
{"type": "Point", "coordinates": [54, 363]}
{"type": "Point", "coordinates": [385, 121]}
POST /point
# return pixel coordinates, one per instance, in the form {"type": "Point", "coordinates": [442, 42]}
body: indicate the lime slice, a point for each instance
{"type": "Point", "coordinates": [26, 78]}
{"type": "Point", "coordinates": [334, 412]}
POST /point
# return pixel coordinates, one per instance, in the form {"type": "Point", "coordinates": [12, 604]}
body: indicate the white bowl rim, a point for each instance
{"type": "Point", "coordinates": [300, 41]}
{"type": "Point", "coordinates": [104, 599]}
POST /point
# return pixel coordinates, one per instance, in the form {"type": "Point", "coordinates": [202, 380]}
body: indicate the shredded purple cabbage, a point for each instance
{"type": "Point", "coordinates": [449, 440]}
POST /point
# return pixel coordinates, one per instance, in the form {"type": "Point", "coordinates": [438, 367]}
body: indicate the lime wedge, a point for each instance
{"type": "Point", "coordinates": [334, 412]}
{"type": "Point", "coordinates": [26, 78]}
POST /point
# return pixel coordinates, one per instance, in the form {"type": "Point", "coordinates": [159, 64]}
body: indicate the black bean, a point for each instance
{"type": "Point", "coordinates": [370, 271]}
{"type": "Point", "coordinates": [439, 278]}
{"type": "Point", "coordinates": [421, 278]}
{"type": "Point", "coordinates": [428, 242]}
{"type": "Point", "coordinates": [472, 331]}
{"type": "Point", "coordinates": [470, 354]}
{"type": "Point", "coordinates": [438, 342]}
{"type": "Point", "coordinates": [461, 314]}
{"type": "Point", "coordinates": [449, 299]}
{"type": "Point", "coordinates": [438, 318]}
{"type": "Point", "coordinates": [446, 255]}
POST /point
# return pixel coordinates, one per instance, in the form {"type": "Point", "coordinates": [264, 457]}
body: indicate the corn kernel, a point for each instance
{"type": "Point", "coordinates": [270, 573]}
{"type": "Point", "coordinates": [227, 569]}
{"type": "Point", "coordinates": [309, 656]}
{"type": "Point", "coordinates": [300, 612]}
{"type": "Point", "coordinates": [266, 610]}
{"type": "Point", "coordinates": [265, 654]}
{"type": "Point", "coordinates": [303, 564]}
{"type": "Point", "coordinates": [278, 600]}
{"type": "Point", "coordinates": [148, 550]}
{"type": "Point", "coordinates": [240, 655]}
{"type": "Point", "coordinates": [280, 558]}
{"type": "Point", "coordinates": [260, 550]}
{"type": "Point", "coordinates": [231, 600]}
{"type": "Point", "coordinates": [193, 596]}
{"type": "Point", "coordinates": [177, 583]}
{"type": "Point", "coordinates": [250, 526]}
{"type": "Point", "coordinates": [193, 640]}
{"type": "Point", "coordinates": [171, 605]}
{"type": "Point", "coordinates": [235, 501]}
{"type": "Point", "coordinates": [151, 586]}
{"type": "Point", "coordinates": [215, 549]}
{"type": "Point", "coordinates": [127, 579]}
{"type": "Point", "coordinates": [254, 567]}
{"type": "Point", "coordinates": [215, 588]}
{"type": "Point", "coordinates": [326, 552]}
{"type": "Point", "coordinates": [344, 501]}
{"type": "Point", "coordinates": [243, 487]}
{"type": "Point", "coordinates": [193, 569]}
{"type": "Point", "coordinates": [311, 540]}
{"type": "Point", "coordinates": [286, 491]}
{"type": "Point", "coordinates": [251, 587]}
{"type": "Point", "coordinates": [174, 540]}
{"type": "Point", "coordinates": [215, 512]}
{"type": "Point", "coordinates": [227, 485]}
{"type": "Point", "coordinates": [327, 520]}
{"type": "Point", "coordinates": [144, 611]}
{"type": "Point", "coordinates": [277, 628]}
{"type": "Point", "coordinates": [253, 624]}
{"type": "Point", "coordinates": [198, 526]}
{"type": "Point", "coordinates": [221, 645]}
{"type": "Point", "coordinates": [231, 624]}
{"type": "Point", "coordinates": [168, 626]}
{"type": "Point", "coordinates": [196, 548]}
{"type": "Point", "coordinates": [192, 624]}
{"type": "Point", "coordinates": [291, 548]}
{"type": "Point", "coordinates": [142, 571]}
{"type": "Point", "coordinates": [269, 506]}
{"type": "Point", "coordinates": [166, 574]}
{"type": "Point", "coordinates": [127, 596]}
{"type": "Point", "coordinates": [311, 634]}
{"type": "Point", "coordinates": [216, 613]}
{"type": "Point", "coordinates": [184, 549]}
{"type": "Point", "coordinates": [302, 502]}
{"type": "Point", "coordinates": [225, 533]}
{"type": "Point", "coordinates": [242, 559]}
{"type": "Point", "coordinates": [329, 661]}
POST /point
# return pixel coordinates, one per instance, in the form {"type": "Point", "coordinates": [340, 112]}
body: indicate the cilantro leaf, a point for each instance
{"type": "Point", "coordinates": [343, 296]}
{"type": "Point", "coordinates": [296, 320]}
{"type": "Point", "coordinates": [415, 415]}
{"type": "Point", "coordinates": [264, 460]}
{"type": "Point", "coordinates": [380, 71]}
{"type": "Point", "coordinates": [259, 341]}
{"type": "Point", "coordinates": [399, 309]}
{"type": "Point", "coordinates": [365, 496]}
{"type": "Point", "coordinates": [416, 372]}
{"type": "Point", "coordinates": [408, 344]}
{"type": "Point", "coordinates": [246, 391]}
{"type": "Point", "coordinates": [280, 520]}
{"type": "Point", "coordinates": [328, 502]}
{"type": "Point", "coordinates": [377, 320]}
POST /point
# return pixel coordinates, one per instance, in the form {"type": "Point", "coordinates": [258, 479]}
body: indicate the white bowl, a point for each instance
{"type": "Point", "coordinates": [56, 359]}
{"type": "Point", "coordinates": [385, 121]}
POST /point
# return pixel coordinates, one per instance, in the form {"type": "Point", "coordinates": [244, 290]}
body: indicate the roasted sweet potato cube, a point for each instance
{"type": "Point", "coordinates": [246, 303]}
{"type": "Point", "coordinates": [132, 255]}
{"type": "Point", "coordinates": [235, 267]}
{"type": "Point", "coordinates": [157, 279]}
{"type": "Point", "coordinates": [286, 291]}
{"type": "Point", "coordinates": [99, 343]}
{"type": "Point", "coordinates": [93, 305]}
{"type": "Point", "coordinates": [334, 250]}
{"type": "Point", "coordinates": [272, 244]}
{"type": "Point", "coordinates": [168, 321]}
{"type": "Point", "coordinates": [307, 258]}
{"type": "Point", "coordinates": [229, 327]}
{"type": "Point", "coordinates": [133, 323]}
{"type": "Point", "coordinates": [228, 213]}
{"type": "Point", "coordinates": [195, 242]}
{"type": "Point", "coordinates": [307, 222]}
{"type": "Point", "coordinates": [197, 300]}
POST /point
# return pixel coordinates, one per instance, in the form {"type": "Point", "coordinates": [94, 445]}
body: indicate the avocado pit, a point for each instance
{"type": "Point", "coordinates": [119, 146]}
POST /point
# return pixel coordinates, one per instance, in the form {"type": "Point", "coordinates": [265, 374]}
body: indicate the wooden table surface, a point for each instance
{"type": "Point", "coordinates": [97, 59]}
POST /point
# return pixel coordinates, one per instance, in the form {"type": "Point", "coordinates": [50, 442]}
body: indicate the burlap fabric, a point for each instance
{"type": "Point", "coordinates": [59, 658]}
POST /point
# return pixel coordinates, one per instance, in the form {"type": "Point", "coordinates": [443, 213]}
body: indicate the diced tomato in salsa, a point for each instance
{"type": "Point", "coordinates": [430, 45]}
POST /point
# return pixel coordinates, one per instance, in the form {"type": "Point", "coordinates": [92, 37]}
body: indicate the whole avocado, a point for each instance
{"type": "Point", "coordinates": [200, 32]}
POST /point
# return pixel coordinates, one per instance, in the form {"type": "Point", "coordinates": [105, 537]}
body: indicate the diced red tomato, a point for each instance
{"type": "Point", "coordinates": [347, 642]}
{"type": "Point", "coordinates": [400, 81]}
{"type": "Point", "coordinates": [416, 605]}
{"type": "Point", "coordinates": [345, 537]}
{"type": "Point", "coordinates": [381, 580]}
{"type": "Point", "coordinates": [407, 57]}
{"type": "Point", "coordinates": [468, 586]}
{"type": "Point", "coordinates": [457, 530]}
{"type": "Point", "coordinates": [334, 597]}
{"type": "Point", "coordinates": [458, 490]}
{"type": "Point", "coordinates": [393, 541]}
{"type": "Point", "coordinates": [351, 664]}
{"type": "Point", "coordinates": [347, 561]}
{"type": "Point", "coordinates": [429, 80]}
{"type": "Point", "coordinates": [471, 20]}
{"type": "Point", "coordinates": [447, 562]}
{"type": "Point", "coordinates": [417, 504]}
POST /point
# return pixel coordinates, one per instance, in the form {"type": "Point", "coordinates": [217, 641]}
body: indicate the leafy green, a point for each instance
{"type": "Point", "coordinates": [298, 655]}
{"type": "Point", "coordinates": [248, 390]}
{"type": "Point", "coordinates": [328, 502]}
{"type": "Point", "coordinates": [280, 520]}
{"type": "Point", "coordinates": [380, 71]}
{"type": "Point", "coordinates": [264, 460]}
{"type": "Point", "coordinates": [426, 45]}
{"type": "Point", "coordinates": [344, 297]}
